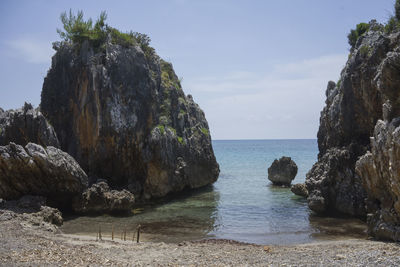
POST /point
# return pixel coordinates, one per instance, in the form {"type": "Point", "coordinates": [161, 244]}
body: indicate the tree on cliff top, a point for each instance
{"type": "Point", "coordinates": [77, 30]}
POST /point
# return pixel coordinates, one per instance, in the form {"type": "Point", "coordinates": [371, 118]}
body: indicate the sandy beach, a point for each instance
{"type": "Point", "coordinates": [28, 241]}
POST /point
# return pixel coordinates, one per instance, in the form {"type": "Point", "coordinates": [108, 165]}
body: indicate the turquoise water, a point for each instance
{"type": "Point", "coordinates": [242, 205]}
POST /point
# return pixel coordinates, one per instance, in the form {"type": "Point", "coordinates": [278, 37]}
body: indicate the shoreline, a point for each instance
{"type": "Point", "coordinates": [39, 243]}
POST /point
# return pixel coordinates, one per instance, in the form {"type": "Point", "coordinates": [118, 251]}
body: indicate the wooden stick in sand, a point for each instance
{"type": "Point", "coordinates": [138, 233]}
{"type": "Point", "coordinates": [112, 233]}
{"type": "Point", "coordinates": [100, 233]}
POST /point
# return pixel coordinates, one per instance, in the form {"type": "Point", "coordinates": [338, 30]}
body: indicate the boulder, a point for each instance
{"type": "Point", "coordinates": [282, 171]}
{"type": "Point", "coordinates": [40, 171]}
{"type": "Point", "coordinates": [122, 114]}
{"type": "Point", "coordinates": [26, 125]}
{"type": "Point", "coordinates": [33, 209]}
{"type": "Point", "coordinates": [99, 198]}
{"type": "Point", "coordinates": [299, 189]}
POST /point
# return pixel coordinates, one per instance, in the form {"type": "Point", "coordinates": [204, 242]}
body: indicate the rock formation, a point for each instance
{"type": "Point", "coordinates": [26, 125]}
{"type": "Point", "coordinates": [122, 114]}
{"type": "Point", "coordinates": [380, 172]}
{"type": "Point", "coordinates": [99, 198]}
{"type": "Point", "coordinates": [282, 171]}
{"type": "Point", "coordinates": [299, 189]}
{"type": "Point", "coordinates": [34, 170]}
{"type": "Point", "coordinates": [367, 92]}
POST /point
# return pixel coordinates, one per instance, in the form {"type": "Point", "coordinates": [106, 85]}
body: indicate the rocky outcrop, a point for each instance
{"type": "Point", "coordinates": [99, 198]}
{"type": "Point", "coordinates": [34, 170]}
{"type": "Point", "coordinates": [282, 171]}
{"type": "Point", "coordinates": [128, 119]}
{"type": "Point", "coordinates": [353, 107]}
{"type": "Point", "coordinates": [34, 210]}
{"type": "Point", "coordinates": [380, 172]}
{"type": "Point", "coordinates": [26, 125]}
{"type": "Point", "coordinates": [299, 189]}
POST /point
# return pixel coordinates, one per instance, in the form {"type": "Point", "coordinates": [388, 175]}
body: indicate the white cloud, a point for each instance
{"type": "Point", "coordinates": [31, 50]}
{"type": "Point", "coordinates": [284, 103]}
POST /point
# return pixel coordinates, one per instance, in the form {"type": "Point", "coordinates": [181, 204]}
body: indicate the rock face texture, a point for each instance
{"type": "Point", "coordinates": [34, 170]}
{"type": "Point", "coordinates": [99, 198]}
{"type": "Point", "coordinates": [122, 114]}
{"type": "Point", "coordinates": [282, 171]}
{"type": "Point", "coordinates": [26, 125]}
{"type": "Point", "coordinates": [367, 92]}
{"type": "Point", "coordinates": [380, 172]}
{"type": "Point", "coordinates": [299, 189]}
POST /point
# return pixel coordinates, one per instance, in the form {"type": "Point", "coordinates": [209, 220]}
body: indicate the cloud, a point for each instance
{"type": "Point", "coordinates": [30, 50]}
{"type": "Point", "coordinates": [283, 103]}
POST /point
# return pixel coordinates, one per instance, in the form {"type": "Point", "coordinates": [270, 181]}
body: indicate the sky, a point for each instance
{"type": "Point", "coordinates": [258, 68]}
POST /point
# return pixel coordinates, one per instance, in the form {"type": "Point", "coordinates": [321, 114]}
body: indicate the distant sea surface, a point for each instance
{"type": "Point", "coordinates": [242, 205]}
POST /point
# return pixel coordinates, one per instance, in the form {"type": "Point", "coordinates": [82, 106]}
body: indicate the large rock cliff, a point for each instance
{"type": "Point", "coordinates": [122, 114]}
{"type": "Point", "coordinates": [368, 90]}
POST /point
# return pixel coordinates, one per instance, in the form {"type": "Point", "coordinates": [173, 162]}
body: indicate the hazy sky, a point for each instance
{"type": "Point", "coordinates": [258, 69]}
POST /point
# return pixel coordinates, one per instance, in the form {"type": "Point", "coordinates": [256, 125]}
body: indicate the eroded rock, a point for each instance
{"type": "Point", "coordinates": [128, 119]}
{"type": "Point", "coordinates": [300, 190]}
{"type": "Point", "coordinates": [353, 106]}
{"type": "Point", "coordinates": [99, 198]}
{"type": "Point", "coordinates": [380, 172]}
{"type": "Point", "coordinates": [26, 125]}
{"type": "Point", "coordinates": [35, 170]}
{"type": "Point", "coordinates": [282, 171]}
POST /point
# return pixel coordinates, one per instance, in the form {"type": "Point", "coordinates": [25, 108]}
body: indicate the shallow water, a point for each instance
{"type": "Point", "coordinates": [242, 205]}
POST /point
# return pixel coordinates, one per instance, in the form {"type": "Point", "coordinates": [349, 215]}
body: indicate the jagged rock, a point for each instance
{"type": "Point", "coordinates": [282, 171]}
{"type": "Point", "coordinates": [50, 215]}
{"type": "Point", "coordinates": [35, 170]}
{"type": "Point", "coordinates": [353, 106]}
{"type": "Point", "coordinates": [128, 119]}
{"type": "Point", "coordinates": [100, 199]}
{"type": "Point", "coordinates": [300, 190]}
{"type": "Point", "coordinates": [333, 186]}
{"type": "Point", "coordinates": [26, 125]}
{"type": "Point", "coordinates": [34, 209]}
{"type": "Point", "coordinates": [380, 172]}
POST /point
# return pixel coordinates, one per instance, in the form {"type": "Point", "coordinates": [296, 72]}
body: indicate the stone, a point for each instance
{"type": "Point", "coordinates": [282, 171]}
{"type": "Point", "coordinates": [99, 198]}
{"type": "Point", "coordinates": [380, 172]}
{"type": "Point", "coordinates": [300, 190]}
{"type": "Point", "coordinates": [128, 119]}
{"type": "Point", "coordinates": [35, 170]}
{"type": "Point", "coordinates": [34, 210]}
{"type": "Point", "coordinates": [352, 108]}
{"type": "Point", "coordinates": [26, 125]}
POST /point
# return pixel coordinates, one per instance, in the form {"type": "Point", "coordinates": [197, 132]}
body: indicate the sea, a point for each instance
{"type": "Point", "coordinates": [242, 205]}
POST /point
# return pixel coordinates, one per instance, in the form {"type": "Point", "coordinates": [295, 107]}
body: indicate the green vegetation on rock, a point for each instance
{"type": "Point", "coordinates": [365, 50]}
{"type": "Point", "coordinates": [205, 131]}
{"type": "Point", "coordinates": [339, 82]}
{"type": "Point", "coordinates": [168, 77]}
{"type": "Point", "coordinates": [161, 128]}
{"type": "Point", "coordinates": [356, 33]}
{"type": "Point", "coordinates": [180, 140]}
{"type": "Point", "coordinates": [77, 30]}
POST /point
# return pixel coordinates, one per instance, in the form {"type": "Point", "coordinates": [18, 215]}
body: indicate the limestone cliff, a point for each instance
{"type": "Point", "coordinates": [369, 82]}
{"type": "Point", "coordinates": [122, 114]}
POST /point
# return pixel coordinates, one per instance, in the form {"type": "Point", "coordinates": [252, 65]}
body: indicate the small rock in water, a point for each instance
{"type": "Point", "coordinates": [300, 190]}
{"type": "Point", "coordinates": [282, 171]}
